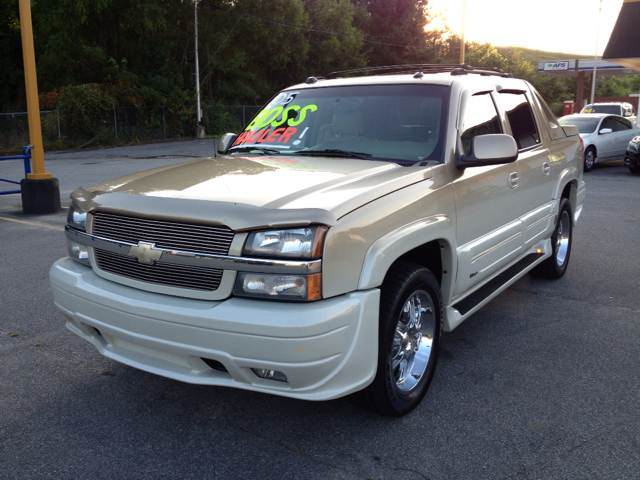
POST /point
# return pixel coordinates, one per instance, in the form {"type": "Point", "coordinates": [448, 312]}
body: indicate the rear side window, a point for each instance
{"type": "Point", "coordinates": [520, 117]}
{"type": "Point", "coordinates": [622, 124]}
{"type": "Point", "coordinates": [480, 118]}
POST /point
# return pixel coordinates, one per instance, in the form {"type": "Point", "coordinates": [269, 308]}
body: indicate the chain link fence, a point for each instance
{"type": "Point", "coordinates": [122, 125]}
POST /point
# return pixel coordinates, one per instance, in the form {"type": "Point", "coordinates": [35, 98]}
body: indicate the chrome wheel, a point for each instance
{"type": "Point", "coordinates": [562, 238]}
{"type": "Point", "coordinates": [413, 341]}
{"type": "Point", "coordinates": [589, 160]}
{"type": "Point", "coordinates": [408, 340]}
{"type": "Point", "coordinates": [555, 266]}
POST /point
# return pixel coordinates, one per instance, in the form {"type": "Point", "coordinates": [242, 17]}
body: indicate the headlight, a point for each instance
{"type": "Point", "coordinates": [633, 147]}
{"type": "Point", "coordinates": [77, 217]}
{"type": "Point", "coordinates": [288, 244]}
{"type": "Point", "coordinates": [291, 243]}
{"type": "Point", "coordinates": [279, 286]}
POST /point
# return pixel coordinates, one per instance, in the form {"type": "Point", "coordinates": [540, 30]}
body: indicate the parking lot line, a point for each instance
{"type": "Point", "coordinates": [60, 229]}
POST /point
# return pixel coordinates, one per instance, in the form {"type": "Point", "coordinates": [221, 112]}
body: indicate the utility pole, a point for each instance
{"type": "Point", "coordinates": [595, 60]}
{"type": "Point", "coordinates": [199, 127]}
{"type": "Point", "coordinates": [462, 46]}
{"type": "Point", "coordinates": [40, 192]}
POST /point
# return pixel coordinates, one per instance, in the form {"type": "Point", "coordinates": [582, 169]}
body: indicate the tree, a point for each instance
{"type": "Point", "coordinates": [340, 51]}
{"type": "Point", "coordinates": [618, 86]}
{"type": "Point", "coordinates": [398, 28]}
{"type": "Point", "coordinates": [12, 89]}
{"type": "Point", "coordinates": [484, 55]}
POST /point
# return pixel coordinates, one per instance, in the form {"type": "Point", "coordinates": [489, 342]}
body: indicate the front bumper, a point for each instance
{"type": "Point", "coordinates": [632, 159]}
{"type": "Point", "coordinates": [327, 349]}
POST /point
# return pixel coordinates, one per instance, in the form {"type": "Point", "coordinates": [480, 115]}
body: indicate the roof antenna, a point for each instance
{"type": "Point", "coordinates": [419, 74]}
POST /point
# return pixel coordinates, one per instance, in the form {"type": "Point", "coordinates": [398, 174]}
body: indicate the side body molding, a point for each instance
{"type": "Point", "coordinates": [391, 246]}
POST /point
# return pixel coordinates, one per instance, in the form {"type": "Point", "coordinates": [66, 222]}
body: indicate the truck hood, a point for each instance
{"type": "Point", "coordinates": [257, 185]}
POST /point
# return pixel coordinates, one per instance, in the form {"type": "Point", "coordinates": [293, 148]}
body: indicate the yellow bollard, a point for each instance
{"type": "Point", "coordinates": [40, 193]}
{"type": "Point", "coordinates": [31, 83]}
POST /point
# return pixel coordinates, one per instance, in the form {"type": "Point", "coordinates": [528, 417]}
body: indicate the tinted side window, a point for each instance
{"type": "Point", "coordinates": [480, 118]}
{"type": "Point", "coordinates": [520, 116]}
{"type": "Point", "coordinates": [622, 124]}
{"type": "Point", "coordinates": [609, 122]}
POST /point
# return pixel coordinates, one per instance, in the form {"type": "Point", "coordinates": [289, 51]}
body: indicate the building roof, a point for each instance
{"type": "Point", "coordinates": [624, 44]}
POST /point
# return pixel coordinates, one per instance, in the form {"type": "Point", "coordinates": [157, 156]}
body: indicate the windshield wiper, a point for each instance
{"type": "Point", "coordinates": [264, 150]}
{"type": "Point", "coordinates": [335, 152]}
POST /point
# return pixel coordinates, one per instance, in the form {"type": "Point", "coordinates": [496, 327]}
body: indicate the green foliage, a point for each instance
{"type": "Point", "coordinates": [618, 86]}
{"type": "Point", "coordinates": [86, 108]}
{"type": "Point", "coordinates": [329, 52]}
{"type": "Point", "coordinates": [93, 55]}
{"type": "Point", "coordinates": [484, 55]}
{"type": "Point", "coordinates": [12, 84]}
{"type": "Point", "coordinates": [398, 28]}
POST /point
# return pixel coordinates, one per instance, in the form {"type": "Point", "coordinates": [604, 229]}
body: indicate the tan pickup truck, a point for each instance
{"type": "Point", "coordinates": [329, 245]}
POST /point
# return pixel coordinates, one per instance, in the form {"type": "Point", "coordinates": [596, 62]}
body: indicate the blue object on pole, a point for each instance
{"type": "Point", "coordinates": [26, 157]}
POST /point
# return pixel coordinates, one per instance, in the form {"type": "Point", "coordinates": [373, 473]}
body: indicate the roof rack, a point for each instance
{"type": "Point", "coordinates": [455, 69]}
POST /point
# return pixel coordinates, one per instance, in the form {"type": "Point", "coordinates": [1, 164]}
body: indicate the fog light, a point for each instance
{"type": "Point", "coordinates": [270, 374]}
{"type": "Point", "coordinates": [78, 252]}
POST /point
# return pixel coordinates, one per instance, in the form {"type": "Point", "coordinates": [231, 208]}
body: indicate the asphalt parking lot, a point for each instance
{"type": "Point", "coordinates": [543, 383]}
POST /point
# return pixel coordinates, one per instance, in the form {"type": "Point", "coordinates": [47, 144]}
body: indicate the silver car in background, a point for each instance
{"type": "Point", "coordinates": [605, 137]}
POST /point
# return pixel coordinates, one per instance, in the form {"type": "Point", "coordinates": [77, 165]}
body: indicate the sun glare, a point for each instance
{"type": "Point", "coordinates": [568, 26]}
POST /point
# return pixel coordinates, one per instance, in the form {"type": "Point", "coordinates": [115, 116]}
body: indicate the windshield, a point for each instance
{"type": "Point", "coordinates": [585, 125]}
{"type": "Point", "coordinates": [615, 109]}
{"type": "Point", "coordinates": [384, 122]}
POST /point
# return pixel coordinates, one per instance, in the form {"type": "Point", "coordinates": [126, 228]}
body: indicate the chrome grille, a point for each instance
{"type": "Point", "coordinates": [167, 235]}
{"type": "Point", "coordinates": [161, 273]}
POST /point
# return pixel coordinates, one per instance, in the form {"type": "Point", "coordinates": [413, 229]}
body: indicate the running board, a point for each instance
{"type": "Point", "coordinates": [467, 304]}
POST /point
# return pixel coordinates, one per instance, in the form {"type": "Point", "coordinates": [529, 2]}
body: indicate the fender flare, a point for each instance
{"type": "Point", "coordinates": [387, 249]}
{"type": "Point", "coordinates": [566, 176]}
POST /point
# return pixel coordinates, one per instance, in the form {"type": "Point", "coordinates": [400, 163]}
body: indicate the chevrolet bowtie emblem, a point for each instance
{"type": "Point", "coordinates": [146, 252]}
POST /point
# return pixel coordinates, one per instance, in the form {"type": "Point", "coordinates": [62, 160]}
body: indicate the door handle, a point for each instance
{"type": "Point", "coordinates": [546, 168]}
{"type": "Point", "coordinates": [513, 180]}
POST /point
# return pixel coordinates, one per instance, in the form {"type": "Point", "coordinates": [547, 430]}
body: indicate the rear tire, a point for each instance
{"type": "Point", "coordinates": [408, 343]}
{"type": "Point", "coordinates": [555, 266]}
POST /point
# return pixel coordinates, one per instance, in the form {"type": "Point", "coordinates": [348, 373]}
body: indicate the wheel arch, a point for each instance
{"type": "Point", "coordinates": [428, 242]}
{"type": "Point", "coordinates": [567, 186]}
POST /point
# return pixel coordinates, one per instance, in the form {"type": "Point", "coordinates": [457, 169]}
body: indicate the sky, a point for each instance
{"type": "Point", "coordinates": [567, 26]}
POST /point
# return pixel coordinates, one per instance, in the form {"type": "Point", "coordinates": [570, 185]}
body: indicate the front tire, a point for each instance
{"type": "Point", "coordinates": [561, 240]}
{"type": "Point", "coordinates": [634, 169]}
{"type": "Point", "coordinates": [409, 341]}
{"type": "Point", "coordinates": [589, 159]}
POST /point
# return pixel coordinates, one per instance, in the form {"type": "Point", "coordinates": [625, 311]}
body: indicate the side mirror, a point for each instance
{"type": "Point", "coordinates": [492, 149]}
{"type": "Point", "coordinates": [604, 131]}
{"type": "Point", "coordinates": [225, 142]}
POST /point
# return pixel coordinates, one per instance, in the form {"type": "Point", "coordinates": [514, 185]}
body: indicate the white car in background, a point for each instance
{"type": "Point", "coordinates": [605, 137]}
{"type": "Point", "coordinates": [624, 109]}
